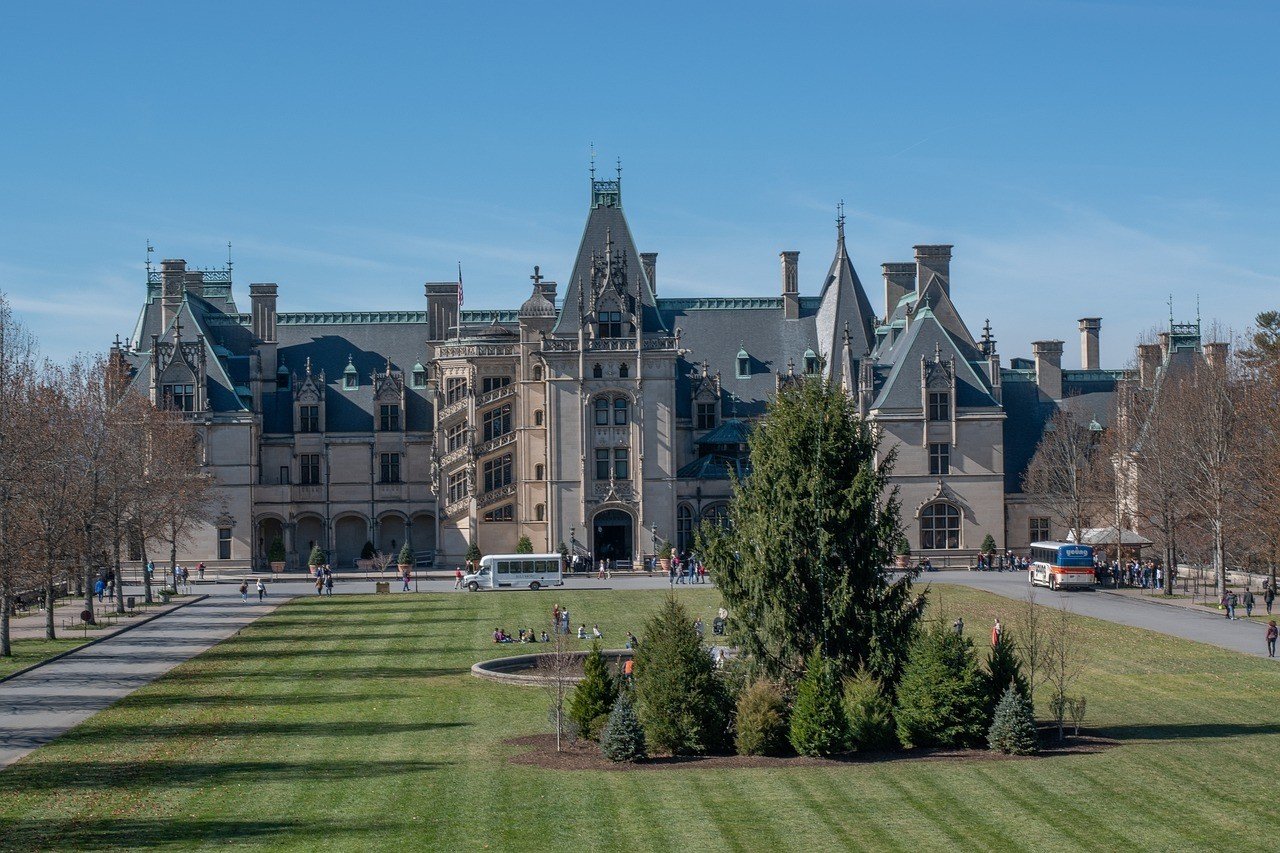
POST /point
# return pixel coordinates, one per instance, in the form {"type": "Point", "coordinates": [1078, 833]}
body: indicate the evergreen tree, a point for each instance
{"type": "Point", "coordinates": [761, 720]}
{"type": "Point", "coordinates": [870, 713]}
{"type": "Point", "coordinates": [988, 544]}
{"type": "Point", "coordinates": [594, 695]}
{"type": "Point", "coordinates": [317, 556]}
{"type": "Point", "coordinates": [473, 555]}
{"type": "Point", "coordinates": [806, 559]}
{"type": "Point", "coordinates": [679, 699]}
{"type": "Point", "coordinates": [623, 736]}
{"type": "Point", "coordinates": [1013, 730]}
{"type": "Point", "coordinates": [524, 546]}
{"type": "Point", "coordinates": [276, 552]}
{"type": "Point", "coordinates": [818, 723]}
{"type": "Point", "coordinates": [406, 555]}
{"type": "Point", "coordinates": [942, 695]}
{"type": "Point", "coordinates": [1004, 670]}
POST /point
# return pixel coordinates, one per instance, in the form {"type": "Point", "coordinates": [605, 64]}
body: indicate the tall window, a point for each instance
{"type": "Point", "coordinates": [309, 469]}
{"type": "Point", "coordinates": [390, 467]}
{"type": "Point", "coordinates": [610, 324]}
{"type": "Point", "coordinates": [620, 410]}
{"type": "Point", "coordinates": [454, 437]}
{"type": "Point", "coordinates": [506, 512]}
{"type": "Point", "coordinates": [539, 471]}
{"type": "Point", "coordinates": [537, 373]}
{"type": "Point", "coordinates": [389, 417]}
{"type": "Point", "coordinates": [497, 472]}
{"type": "Point", "coordinates": [597, 372]}
{"type": "Point", "coordinates": [939, 405]}
{"type": "Point", "coordinates": [744, 366]}
{"type": "Point", "coordinates": [706, 416]}
{"type": "Point", "coordinates": [602, 411]}
{"type": "Point", "coordinates": [684, 528]}
{"type": "Point", "coordinates": [717, 515]}
{"type": "Point", "coordinates": [939, 459]}
{"type": "Point", "coordinates": [602, 464]}
{"type": "Point", "coordinates": [419, 378]}
{"type": "Point", "coordinates": [1040, 530]}
{"type": "Point", "coordinates": [537, 417]}
{"type": "Point", "coordinates": [621, 463]}
{"type": "Point", "coordinates": [180, 397]}
{"type": "Point", "coordinates": [540, 512]}
{"type": "Point", "coordinates": [284, 475]}
{"type": "Point", "coordinates": [493, 383]}
{"type": "Point", "coordinates": [940, 527]}
{"type": "Point", "coordinates": [457, 486]}
{"type": "Point", "coordinates": [455, 389]}
{"type": "Point", "coordinates": [224, 543]}
{"type": "Point", "coordinates": [496, 422]}
{"type": "Point", "coordinates": [624, 370]}
{"type": "Point", "coordinates": [309, 418]}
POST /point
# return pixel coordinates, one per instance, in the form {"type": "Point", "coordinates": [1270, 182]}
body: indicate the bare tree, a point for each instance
{"type": "Point", "coordinates": [1162, 496]}
{"type": "Point", "coordinates": [1032, 642]}
{"type": "Point", "coordinates": [1064, 662]}
{"type": "Point", "coordinates": [560, 666]}
{"type": "Point", "coordinates": [1063, 474]}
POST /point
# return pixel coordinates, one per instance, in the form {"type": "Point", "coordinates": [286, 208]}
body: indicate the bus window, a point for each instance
{"type": "Point", "coordinates": [504, 567]}
{"type": "Point", "coordinates": [540, 566]}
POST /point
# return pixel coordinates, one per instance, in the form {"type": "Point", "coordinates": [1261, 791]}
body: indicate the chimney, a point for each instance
{"type": "Point", "coordinates": [548, 289]}
{"type": "Point", "coordinates": [1149, 359]}
{"type": "Point", "coordinates": [931, 261]}
{"type": "Point", "coordinates": [1048, 359]}
{"type": "Point", "coordinates": [172, 273]}
{"type": "Point", "coordinates": [1164, 347]}
{"type": "Point", "coordinates": [442, 309]}
{"type": "Point", "coordinates": [262, 305]}
{"type": "Point", "coordinates": [790, 284]}
{"type": "Point", "coordinates": [649, 260]}
{"type": "Point", "coordinates": [1089, 329]}
{"type": "Point", "coordinates": [899, 280]}
{"type": "Point", "coordinates": [1215, 354]}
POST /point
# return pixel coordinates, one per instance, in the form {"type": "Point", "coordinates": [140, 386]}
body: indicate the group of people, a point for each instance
{"type": "Point", "coordinates": [1131, 573]}
{"type": "Point", "coordinates": [687, 569]}
{"type": "Point", "coordinates": [526, 635]}
{"type": "Point", "coordinates": [259, 586]}
{"type": "Point", "coordinates": [324, 580]}
{"type": "Point", "coordinates": [1230, 601]}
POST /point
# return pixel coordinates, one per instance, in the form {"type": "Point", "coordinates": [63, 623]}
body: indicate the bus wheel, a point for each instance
{"type": "Point", "coordinates": [535, 586]}
{"type": "Point", "coordinates": [473, 586]}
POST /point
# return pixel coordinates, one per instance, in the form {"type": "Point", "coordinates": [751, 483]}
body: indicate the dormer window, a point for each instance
{"type": "Point", "coordinates": [419, 376]}
{"type": "Point", "coordinates": [744, 364]}
{"type": "Point", "coordinates": [180, 397]}
{"type": "Point", "coordinates": [939, 405]}
{"type": "Point", "coordinates": [282, 378]}
{"type": "Point", "coordinates": [810, 363]}
{"type": "Point", "coordinates": [308, 418]}
{"type": "Point", "coordinates": [610, 324]}
{"type": "Point", "coordinates": [389, 417]}
{"type": "Point", "coordinates": [350, 378]}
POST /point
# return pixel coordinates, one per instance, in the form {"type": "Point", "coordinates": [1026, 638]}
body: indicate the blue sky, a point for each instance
{"type": "Point", "coordinates": [1085, 158]}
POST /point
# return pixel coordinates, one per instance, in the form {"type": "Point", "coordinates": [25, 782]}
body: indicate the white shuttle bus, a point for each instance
{"type": "Point", "coordinates": [513, 571]}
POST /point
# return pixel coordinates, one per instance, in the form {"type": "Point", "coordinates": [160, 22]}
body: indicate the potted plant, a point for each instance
{"type": "Point", "coordinates": [317, 557]}
{"type": "Point", "coordinates": [367, 553]}
{"type": "Point", "coordinates": [276, 555]}
{"type": "Point", "coordinates": [524, 546]}
{"type": "Point", "coordinates": [903, 560]}
{"type": "Point", "coordinates": [664, 556]}
{"type": "Point", "coordinates": [473, 557]}
{"type": "Point", "coordinates": [406, 559]}
{"type": "Point", "coordinates": [989, 550]}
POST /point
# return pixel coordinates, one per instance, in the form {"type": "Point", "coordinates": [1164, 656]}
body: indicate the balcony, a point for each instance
{"type": "Point", "coordinates": [454, 408]}
{"type": "Point", "coordinates": [495, 395]}
{"type": "Point", "coordinates": [496, 495]}
{"type": "Point", "coordinates": [308, 493]}
{"type": "Point", "coordinates": [388, 491]}
{"type": "Point", "coordinates": [457, 506]}
{"type": "Point", "coordinates": [455, 455]}
{"type": "Point", "coordinates": [495, 444]}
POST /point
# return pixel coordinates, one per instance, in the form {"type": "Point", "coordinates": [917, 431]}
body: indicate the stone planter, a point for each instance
{"type": "Point", "coordinates": [365, 565]}
{"type": "Point", "coordinates": [903, 561]}
{"type": "Point", "coordinates": [665, 564]}
{"type": "Point", "coordinates": [278, 568]}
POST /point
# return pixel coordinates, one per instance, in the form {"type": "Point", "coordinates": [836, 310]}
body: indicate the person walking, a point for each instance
{"type": "Point", "coordinates": [320, 585]}
{"type": "Point", "coordinates": [328, 582]}
{"type": "Point", "coordinates": [200, 569]}
{"type": "Point", "coordinates": [457, 578]}
{"type": "Point", "coordinates": [262, 590]}
{"type": "Point", "coordinates": [407, 576]}
{"type": "Point", "coordinates": [1232, 600]}
{"type": "Point", "coordinates": [1248, 602]}
{"type": "Point", "coordinates": [1268, 598]}
{"type": "Point", "coordinates": [958, 625]}
{"type": "Point", "coordinates": [1226, 608]}
{"type": "Point", "coordinates": [995, 632]}
{"type": "Point", "coordinates": [99, 587]}
{"type": "Point", "coordinates": [244, 591]}
{"type": "Point", "coordinates": [1271, 638]}
{"type": "Point", "coordinates": [555, 618]}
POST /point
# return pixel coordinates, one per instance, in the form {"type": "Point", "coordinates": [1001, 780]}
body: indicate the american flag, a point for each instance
{"type": "Point", "coordinates": [459, 284]}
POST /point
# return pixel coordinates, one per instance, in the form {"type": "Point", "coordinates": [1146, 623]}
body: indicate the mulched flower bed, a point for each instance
{"type": "Point", "coordinates": [540, 751]}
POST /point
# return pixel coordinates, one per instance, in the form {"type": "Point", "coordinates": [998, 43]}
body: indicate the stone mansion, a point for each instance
{"type": "Point", "coordinates": [596, 414]}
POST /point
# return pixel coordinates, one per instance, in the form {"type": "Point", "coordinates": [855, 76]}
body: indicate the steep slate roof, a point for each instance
{"type": "Point", "coordinates": [604, 223]}
{"type": "Point", "coordinates": [924, 338]}
{"type": "Point", "coordinates": [843, 302]}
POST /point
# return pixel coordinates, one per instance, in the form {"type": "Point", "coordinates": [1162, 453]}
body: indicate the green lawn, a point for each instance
{"type": "Point", "coordinates": [28, 652]}
{"type": "Point", "coordinates": [352, 723]}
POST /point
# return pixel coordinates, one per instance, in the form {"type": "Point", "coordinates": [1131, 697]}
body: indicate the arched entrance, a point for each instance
{"type": "Point", "coordinates": [307, 533]}
{"type": "Point", "coordinates": [350, 533]}
{"type": "Point", "coordinates": [269, 530]}
{"type": "Point", "coordinates": [391, 534]}
{"type": "Point", "coordinates": [611, 536]}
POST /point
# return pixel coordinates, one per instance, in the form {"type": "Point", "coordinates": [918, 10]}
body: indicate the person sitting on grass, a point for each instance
{"type": "Point", "coordinates": [582, 631]}
{"type": "Point", "coordinates": [596, 632]}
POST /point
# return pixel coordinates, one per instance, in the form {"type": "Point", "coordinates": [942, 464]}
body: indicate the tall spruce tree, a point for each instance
{"type": "Point", "coordinates": [806, 561]}
{"type": "Point", "coordinates": [593, 697]}
{"type": "Point", "coordinates": [1004, 670]}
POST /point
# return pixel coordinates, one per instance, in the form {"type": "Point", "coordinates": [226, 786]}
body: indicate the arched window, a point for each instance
{"type": "Point", "coordinates": [684, 528]}
{"type": "Point", "coordinates": [940, 527]}
{"type": "Point", "coordinates": [539, 472]}
{"type": "Point", "coordinates": [602, 411]}
{"type": "Point", "coordinates": [620, 410]}
{"type": "Point", "coordinates": [597, 372]}
{"type": "Point", "coordinates": [717, 514]}
{"type": "Point", "coordinates": [624, 370]}
{"type": "Point", "coordinates": [540, 512]}
{"type": "Point", "coordinates": [537, 417]}
{"type": "Point", "coordinates": [537, 373]}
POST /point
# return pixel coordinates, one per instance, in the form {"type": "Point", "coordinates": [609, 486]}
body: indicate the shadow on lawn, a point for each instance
{"type": "Point", "coordinates": [294, 673]}
{"type": "Point", "coordinates": [1187, 731]}
{"type": "Point", "coordinates": [86, 833]}
{"type": "Point", "coordinates": [108, 734]}
{"type": "Point", "coordinates": [167, 699]}
{"type": "Point", "coordinates": [147, 773]}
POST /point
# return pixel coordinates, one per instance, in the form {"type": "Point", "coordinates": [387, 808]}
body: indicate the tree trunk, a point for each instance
{"type": "Point", "coordinates": [6, 607]}
{"type": "Point", "coordinates": [49, 633]}
{"type": "Point", "coordinates": [146, 576]}
{"type": "Point", "coordinates": [1219, 558]}
{"type": "Point", "coordinates": [119, 584]}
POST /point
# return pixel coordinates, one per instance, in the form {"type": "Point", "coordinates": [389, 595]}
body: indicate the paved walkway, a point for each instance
{"type": "Point", "coordinates": [1201, 625]}
{"type": "Point", "coordinates": [39, 705]}
{"type": "Point", "coordinates": [67, 625]}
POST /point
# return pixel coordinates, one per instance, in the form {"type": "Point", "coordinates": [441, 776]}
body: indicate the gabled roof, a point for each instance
{"type": "Point", "coordinates": [925, 338]}
{"type": "Point", "coordinates": [843, 303]}
{"type": "Point", "coordinates": [935, 295]}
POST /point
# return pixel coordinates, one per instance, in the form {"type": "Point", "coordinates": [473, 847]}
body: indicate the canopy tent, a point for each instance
{"type": "Point", "coordinates": [1107, 536]}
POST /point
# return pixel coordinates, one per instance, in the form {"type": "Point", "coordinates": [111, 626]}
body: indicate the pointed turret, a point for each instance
{"type": "Point", "coordinates": [843, 302]}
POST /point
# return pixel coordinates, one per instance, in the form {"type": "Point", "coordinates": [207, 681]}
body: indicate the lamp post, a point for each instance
{"type": "Point", "coordinates": [573, 554]}
{"type": "Point", "coordinates": [654, 564]}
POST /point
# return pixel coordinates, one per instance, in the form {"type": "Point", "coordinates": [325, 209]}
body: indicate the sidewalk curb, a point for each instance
{"type": "Point", "coordinates": [97, 640]}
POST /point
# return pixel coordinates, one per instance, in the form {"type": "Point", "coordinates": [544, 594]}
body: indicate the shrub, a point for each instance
{"type": "Point", "coordinates": [904, 548]}
{"type": "Point", "coordinates": [988, 544]}
{"type": "Point", "coordinates": [941, 697]}
{"type": "Point", "coordinates": [818, 723]}
{"type": "Point", "coordinates": [761, 720]}
{"type": "Point", "coordinates": [623, 737]}
{"type": "Point", "coordinates": [276, 552]}
{"type": "Point", "coordinates": [317, 557]}
{"type": "Point", "coordinates": [679, 699]}
{"type": "Point", "coordinates": [524, 546]}
{"type": "Point", "coordinates": [1013, 730]}
{"type": "Point", "coordinates": [664, 553]}
{"type": "Point", "coordinates": [406, 555]}
{"type": "Point", "coordinates": [870, 713]}
{"type": "Point", "coordinates": [564, 552]}
{"type": "Point", "coordinates": [1003, 670]}
{"type": "Point", "coordinates": [473, 555]}
{"type": "Point", "coordinates": [368, 551]}
{"type": "Point", "coordinates": [594, 695]}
